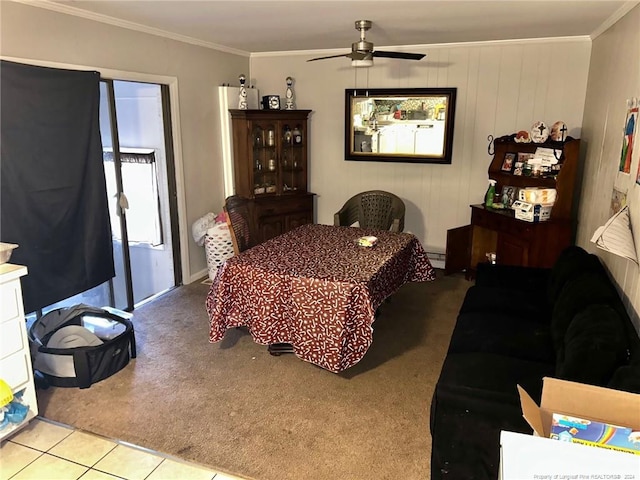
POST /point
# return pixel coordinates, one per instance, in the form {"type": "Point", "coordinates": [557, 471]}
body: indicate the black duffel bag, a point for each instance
{"type": "Point", "coordinates": [81, 345]}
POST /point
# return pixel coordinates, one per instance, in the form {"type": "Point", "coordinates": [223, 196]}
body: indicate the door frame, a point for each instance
{"type": "Point", "coordinates": [115, 141]}
{"type": "Point", "coordinates": [175, 138]}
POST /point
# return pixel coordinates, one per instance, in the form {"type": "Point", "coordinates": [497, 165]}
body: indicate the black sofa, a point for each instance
{"type": "Point", "coordinates": [517, 325]}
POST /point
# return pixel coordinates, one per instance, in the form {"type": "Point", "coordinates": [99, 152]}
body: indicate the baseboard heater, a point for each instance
{"type": "Point", "coordinates": [437, 259]}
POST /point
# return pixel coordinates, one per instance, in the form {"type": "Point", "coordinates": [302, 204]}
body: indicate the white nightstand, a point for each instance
{"type": "Point", "coordinates": [15, 358]}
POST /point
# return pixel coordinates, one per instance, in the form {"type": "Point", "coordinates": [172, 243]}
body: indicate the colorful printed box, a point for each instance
{"type": "Point", "coordinates": [588, 432]}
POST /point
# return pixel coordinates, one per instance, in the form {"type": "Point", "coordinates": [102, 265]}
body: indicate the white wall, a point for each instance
{"type": "Point", "coordinates": [614, 77]}
{"type": "Point", "coordinates": [28, 32]}
{"type": "Point", "coordinates": [502, 87]}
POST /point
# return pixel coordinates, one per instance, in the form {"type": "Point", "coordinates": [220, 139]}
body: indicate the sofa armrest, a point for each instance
{"type": "Point", "coordinates": [513, 276]}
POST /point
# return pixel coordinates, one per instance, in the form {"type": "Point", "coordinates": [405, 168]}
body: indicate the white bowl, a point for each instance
{"type": "Point", "coordinates": [5, 251]}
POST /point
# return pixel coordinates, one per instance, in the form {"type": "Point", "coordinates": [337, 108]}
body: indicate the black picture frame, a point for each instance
{"type": "Point", "coordinates": [411, 125]}
{"type": "Point", "coordinates": [508, 195]}
{"type": "Point", "coordinates": [508, 162]}
{"type": "Point", "coordinates": [518, 168]}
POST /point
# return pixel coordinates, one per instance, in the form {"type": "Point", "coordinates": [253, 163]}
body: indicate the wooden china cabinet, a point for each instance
{"type": "Point", "coordinates": [271, 166]}
{"type": "Point", "coordinates": [515, 241]}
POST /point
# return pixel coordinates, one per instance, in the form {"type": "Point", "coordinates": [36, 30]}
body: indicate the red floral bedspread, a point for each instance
{"type": "Point", "coordinates": [315, 288]}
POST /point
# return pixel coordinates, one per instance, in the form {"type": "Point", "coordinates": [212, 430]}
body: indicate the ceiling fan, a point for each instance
{"type": "Point", "coordinates": [362, 52]}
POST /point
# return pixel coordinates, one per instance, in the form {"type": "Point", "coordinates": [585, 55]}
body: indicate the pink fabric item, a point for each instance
{"type": "Point", "coordinates": [221, 217]}
{"type": "Point", "coordinates": [315, 288]}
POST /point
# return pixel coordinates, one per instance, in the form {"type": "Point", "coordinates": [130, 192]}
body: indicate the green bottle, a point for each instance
{"type": "Point", "coordinates": [491, 191]}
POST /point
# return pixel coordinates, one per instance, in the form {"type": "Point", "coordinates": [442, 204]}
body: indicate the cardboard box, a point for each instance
{"type": "Point", "coordinates": [579, 400]}
{"type": "Point", "coordinates": [537, 456]}
{"type": "Point", "coordinates": [531, 212]}
{"type": "Point", "coordinates": [598, 404]}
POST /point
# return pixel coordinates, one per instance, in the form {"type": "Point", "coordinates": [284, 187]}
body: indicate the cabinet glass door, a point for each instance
{"type": "Point", "coordinates": [265, 159]}
{"type": "Point", "coordinates": [294, 158]}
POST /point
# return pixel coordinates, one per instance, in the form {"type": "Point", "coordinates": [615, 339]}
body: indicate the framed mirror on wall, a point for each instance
{"type": "Point", "coordinates": [413, 125]}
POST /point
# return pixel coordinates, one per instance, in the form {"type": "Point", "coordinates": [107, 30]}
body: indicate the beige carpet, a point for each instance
{"type": "Point", "coordinates": [237, 409]}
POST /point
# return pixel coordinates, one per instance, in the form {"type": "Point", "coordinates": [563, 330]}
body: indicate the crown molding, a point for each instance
{"type": "Point", "coordinates": [97, 17]}
{"type": "Point", "coordinates": [617, 15]}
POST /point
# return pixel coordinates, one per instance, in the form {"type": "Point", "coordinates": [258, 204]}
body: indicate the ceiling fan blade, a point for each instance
{"type": "Point", "coordinates": [402, 55]}
{"type": "Point", "coordinates": [330, 56]}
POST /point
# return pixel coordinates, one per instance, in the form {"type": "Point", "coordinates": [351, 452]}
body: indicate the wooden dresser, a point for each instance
{"type": "Point", "coordinates": [515, 241]}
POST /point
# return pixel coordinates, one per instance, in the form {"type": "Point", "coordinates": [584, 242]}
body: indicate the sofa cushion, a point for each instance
{"type": "Point", "coordinates": [595, 344]}
{"type": "Point", "coordinates": [577, 294]}
{"type": "Point", "coordinates": [475, 398]}
{"type": "Point", "coordinates": [571, 263]}
{"type": "Point", "coordinates": [491, 377]}
{"type": "Point", "coordinates": [466, 435]}
{"type": "Point", "coordinates": [503, 334]}
{"type": "Point", "coordinates": [513, 277]}
{"type": "Point", "coordinates": [520, 303]}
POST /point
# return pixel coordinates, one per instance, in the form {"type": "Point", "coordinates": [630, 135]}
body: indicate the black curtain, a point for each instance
{"type": "Point", "coordinates": [53, 196]}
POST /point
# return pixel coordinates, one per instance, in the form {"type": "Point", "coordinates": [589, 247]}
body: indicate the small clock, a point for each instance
{"type": "Point", "coordinates": [271, 102]}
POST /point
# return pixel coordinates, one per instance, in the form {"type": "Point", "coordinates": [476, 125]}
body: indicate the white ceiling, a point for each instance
{"type": "Point", "coordinates": [244, 27]}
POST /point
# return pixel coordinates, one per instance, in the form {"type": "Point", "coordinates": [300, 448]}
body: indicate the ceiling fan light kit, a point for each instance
{"type": "Point", "coordinates": [362, 63]}
{"type": "Point", "coordinates": [362, 52]}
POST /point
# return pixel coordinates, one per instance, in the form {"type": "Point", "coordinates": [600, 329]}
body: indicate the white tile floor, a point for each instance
{"type": "Point", "coordinates": [47, 450]}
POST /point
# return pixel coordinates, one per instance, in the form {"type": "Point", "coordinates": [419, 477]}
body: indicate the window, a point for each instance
{"type": "Point", "coordinates": [140, 184]}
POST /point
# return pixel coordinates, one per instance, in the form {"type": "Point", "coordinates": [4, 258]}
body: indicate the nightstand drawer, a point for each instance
{"type": "Point", "coordinates": [15, 369]}
{"type": "Point", "coordinates": [11, 338]}
{"type": "Point", "coordinates": [9, 299]}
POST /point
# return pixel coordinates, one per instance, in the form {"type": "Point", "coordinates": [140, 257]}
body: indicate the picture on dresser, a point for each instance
{"type": "Point", "coordinates": [524, 157]}
{"type": "Point", "coordinates": [507, 163]}
{"type": "Point", "coordinates": [509, 195]}
{"type": "Point", "coordinates": [518, 167]}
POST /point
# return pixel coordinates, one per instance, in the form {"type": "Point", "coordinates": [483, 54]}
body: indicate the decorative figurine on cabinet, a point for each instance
{"type": "Point", "coordinates": [242, 96]}
{"type": "Point", "coordinates": [289, 104]}
{"type": "Point", "coordinates": [558, 131]}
